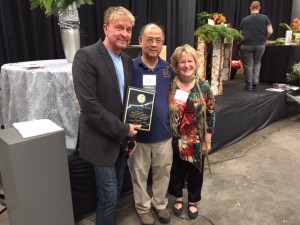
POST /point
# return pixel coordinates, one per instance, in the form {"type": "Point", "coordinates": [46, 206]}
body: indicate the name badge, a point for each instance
{"type": "Point", "coordinates": [149, 82]}
{"type": "Point", "coordinates": [181, 97]}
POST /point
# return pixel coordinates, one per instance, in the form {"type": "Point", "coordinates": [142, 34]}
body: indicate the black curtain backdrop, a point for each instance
{"type": "Point", "coordinates": [27, 35]}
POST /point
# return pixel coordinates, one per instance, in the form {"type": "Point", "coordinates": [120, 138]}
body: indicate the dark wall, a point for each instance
{"type": "Point", "coordinates": [29, 35]}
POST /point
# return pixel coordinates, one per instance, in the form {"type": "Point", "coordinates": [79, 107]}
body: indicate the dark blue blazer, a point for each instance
{"type": "Point", "coordinates": [97, 90]}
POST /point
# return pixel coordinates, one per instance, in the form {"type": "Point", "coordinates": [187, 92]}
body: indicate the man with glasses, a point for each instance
{"type": "Point", "coordinates": [154, 148]}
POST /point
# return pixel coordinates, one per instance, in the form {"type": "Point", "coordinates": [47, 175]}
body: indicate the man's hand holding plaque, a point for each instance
{"type": "Point", "coordinates": [139, 107]}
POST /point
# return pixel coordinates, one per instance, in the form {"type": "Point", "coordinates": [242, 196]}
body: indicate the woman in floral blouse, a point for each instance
{"type": "Point", "coordinates": [192, 119]}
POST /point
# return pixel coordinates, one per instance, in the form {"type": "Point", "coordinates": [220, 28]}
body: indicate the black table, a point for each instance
{"type": "Point", "coordinates": [277, 61]}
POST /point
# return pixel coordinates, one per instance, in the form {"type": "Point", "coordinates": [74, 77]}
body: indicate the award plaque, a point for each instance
{"type": "Point", "coordinates": [139, 107]}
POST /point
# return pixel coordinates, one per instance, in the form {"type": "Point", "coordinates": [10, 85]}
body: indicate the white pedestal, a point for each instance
{"type": "Point", "coordinates": [35, 179]}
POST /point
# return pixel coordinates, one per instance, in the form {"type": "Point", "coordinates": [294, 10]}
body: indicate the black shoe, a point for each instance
{"type": "Point", "coordinates": [178, 211]}
{"type": "Point", "coordinates": [192, 215]}
{"type": "Point", "coordinates": [254, 86]}
{"type": "Point", "coordinates": [248, 87]}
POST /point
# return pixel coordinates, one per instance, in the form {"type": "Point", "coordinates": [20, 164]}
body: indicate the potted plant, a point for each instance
{"type": "Point", "coordinates": [52, 7]}
{"type": "Point", "coordinates": [67, 13]}
{"type": "Point", "coordinates": [221, 37]}
{"type": "Point", "coordinates": [294, 75]}
{"type": "Point", "coordinates": [215, 18]}
{"type": "Point", "coordinates": [235, 66]}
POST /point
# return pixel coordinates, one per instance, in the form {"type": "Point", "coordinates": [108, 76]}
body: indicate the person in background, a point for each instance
{"type": "Point", "coordinates": [192, 119]}
{"type": "Point", "coordinates": [101, 73]}
{"type": "Point", "coordinates": [154, 149]}
{"type": "Point", "coordinates": [255, 28]}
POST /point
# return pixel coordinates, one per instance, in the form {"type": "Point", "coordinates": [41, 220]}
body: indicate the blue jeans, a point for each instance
{"type": "Point", "coordinates": [251, 56]}
{"type": "Point", "coordinates": [109, 180]}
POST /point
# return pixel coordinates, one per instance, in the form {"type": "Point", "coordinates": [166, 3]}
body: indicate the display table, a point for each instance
{"type": "Point", "coordinates": [277, 61]}
{"type": "Point", "coordinates": [39, 90]}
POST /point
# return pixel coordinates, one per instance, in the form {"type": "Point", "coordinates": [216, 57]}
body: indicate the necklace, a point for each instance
{"type": "Point", "coordinates": [185, 80]}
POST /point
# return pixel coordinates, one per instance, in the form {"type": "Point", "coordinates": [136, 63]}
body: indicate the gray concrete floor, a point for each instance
{"type": "Point", "coordinates": [255, 181]}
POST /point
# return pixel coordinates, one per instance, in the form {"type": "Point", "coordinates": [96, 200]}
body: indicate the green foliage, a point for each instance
{"type": "Point", "coordinates": [295, 74]}
{"type": "Point", "coordinates": [51, 7]}
{"type": "Point", "coordinates": [278, 41]}
{"type": "Point", "coordinates": [285, 26]}
{"type": "Point", "coordinates": [215, 33]}
{"type": "Point", "coordinates": [203, 17]}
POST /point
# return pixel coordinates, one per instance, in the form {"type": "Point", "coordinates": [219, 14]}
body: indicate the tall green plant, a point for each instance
{"type": "Point", "coordinates": [203, 17]}
{"type": "Point", "coordinates": [51, 7]}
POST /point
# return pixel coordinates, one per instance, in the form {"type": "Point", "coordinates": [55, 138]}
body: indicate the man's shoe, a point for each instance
{"type": "Point", "coordinates": [178, 211]}
{"type": "Point", "coordinates": [163, 215]}
{"type": "Point", "coordinates": [248, 87]}
{"type": "Point", "coordinates": [146, 218]}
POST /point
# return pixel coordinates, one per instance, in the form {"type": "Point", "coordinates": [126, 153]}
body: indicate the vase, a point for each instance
{"type": "Point", "coordinates": [288, 37]}
{"type": "Point", "coordinates": [69, 30]}
{"type": "Point", "coordinates": [233, 73]}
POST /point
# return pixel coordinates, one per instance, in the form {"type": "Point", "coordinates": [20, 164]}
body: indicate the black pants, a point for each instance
{"type": "Point", "coordinates": [183, 174]}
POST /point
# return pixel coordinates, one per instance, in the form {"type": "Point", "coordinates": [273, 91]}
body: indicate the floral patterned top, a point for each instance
{"type": "Point", "coordinates": [198, 119]}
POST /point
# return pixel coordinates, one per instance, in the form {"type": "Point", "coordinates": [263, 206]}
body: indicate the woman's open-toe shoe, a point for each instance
{"type": "Point", "coordinates": [192, 215]}
{"type": "Point", "coordinates": [178, 211]}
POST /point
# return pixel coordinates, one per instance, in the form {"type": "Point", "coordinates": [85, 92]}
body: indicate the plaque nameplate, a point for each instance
{"type": "Point", "coordinates": [139, 107]}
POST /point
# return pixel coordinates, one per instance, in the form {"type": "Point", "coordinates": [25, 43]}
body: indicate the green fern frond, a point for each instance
{"type": "Point", "coordinates": [215, 33]}
{"type": "Point", "coordinates": [51, 7]}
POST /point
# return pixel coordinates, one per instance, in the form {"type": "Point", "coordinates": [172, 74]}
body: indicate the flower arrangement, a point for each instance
{"type": "Point", "coordinates": [295, 26]}
{"type": "Point", "coordinates": [219, 18]}
{"type": "Point", "coordinates": [236, 64]}
{"type": "Point", "coordinates": [215, 33]}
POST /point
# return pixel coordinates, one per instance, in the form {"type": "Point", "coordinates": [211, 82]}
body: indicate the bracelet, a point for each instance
{"type": "Point", "coordinates": [208, 141]}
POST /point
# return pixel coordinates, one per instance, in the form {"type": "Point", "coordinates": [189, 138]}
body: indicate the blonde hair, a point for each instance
{"type": "Point", "coordinates": [118, 13]}
{"type": "Point", "coordinates": [187, 49]}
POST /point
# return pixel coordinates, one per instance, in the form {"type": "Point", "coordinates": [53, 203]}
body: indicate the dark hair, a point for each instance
{"type": "Point", "coordinates": [150, 24]}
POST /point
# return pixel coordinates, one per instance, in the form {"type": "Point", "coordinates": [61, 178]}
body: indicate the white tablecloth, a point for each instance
{"type": "Point", "coordinates": [30, 93]}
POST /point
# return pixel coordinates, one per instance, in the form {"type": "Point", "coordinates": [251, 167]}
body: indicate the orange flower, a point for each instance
{"type": "Point", "coordinates": [215, 17]}
{"type": "Point", "coordinates": [223, 19]}
{"type": "Point", "coordinates": [295, 26]}
{"type": "Point", "coordinates": [219, 18]}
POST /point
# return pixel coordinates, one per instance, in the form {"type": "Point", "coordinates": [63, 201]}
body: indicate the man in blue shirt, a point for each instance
{"type": "Point", "coordinates": [154, 148]}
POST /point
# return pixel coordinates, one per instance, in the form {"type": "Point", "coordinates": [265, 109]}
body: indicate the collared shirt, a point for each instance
{"type": "Point", "coordinates": [160, 126]}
